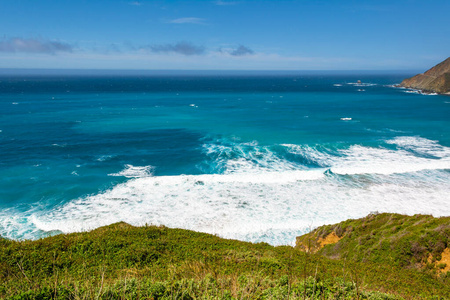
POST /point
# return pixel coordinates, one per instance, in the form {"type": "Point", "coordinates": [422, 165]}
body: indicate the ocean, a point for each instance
{"type": "Point", "coordinates": [259, 157]}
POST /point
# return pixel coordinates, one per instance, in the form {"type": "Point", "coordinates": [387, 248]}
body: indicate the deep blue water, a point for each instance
{"type": "Point", "coordinates": [258, 158]}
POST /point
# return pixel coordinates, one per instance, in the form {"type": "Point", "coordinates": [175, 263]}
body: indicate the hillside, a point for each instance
{"type": "Point", "coordinates": [419, 242]}
{"type": "Point", "coordinates": [125, 262]}
{"type": "Point", "coordinates": [436, 79]}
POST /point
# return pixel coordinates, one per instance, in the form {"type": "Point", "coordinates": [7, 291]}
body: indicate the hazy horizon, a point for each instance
{"type": "Point", "coordinates": [172, 72]}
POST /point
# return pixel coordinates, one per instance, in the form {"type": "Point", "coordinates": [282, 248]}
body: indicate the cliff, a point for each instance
{"type": "Point", "coordinates": [436, 79]}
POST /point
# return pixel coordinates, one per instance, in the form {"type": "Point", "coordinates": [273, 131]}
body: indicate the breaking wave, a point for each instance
{"type": "Point", "coordinates": [261, 193]}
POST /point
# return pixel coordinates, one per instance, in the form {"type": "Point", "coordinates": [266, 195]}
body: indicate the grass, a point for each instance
{"type": "Point", "coordinates": [125, 262]}
{"type": "Point", "coordinates": [403, 241]}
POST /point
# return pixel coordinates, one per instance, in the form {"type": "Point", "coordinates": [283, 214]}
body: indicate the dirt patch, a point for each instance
{"type": "Point", "coordinates": [445, 259]}
{"type": "Point", "coordinates": [332, 238]}
{"type": "Point", "coordinates": [310, 243]}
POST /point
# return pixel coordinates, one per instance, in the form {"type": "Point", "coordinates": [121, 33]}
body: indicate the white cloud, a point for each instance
{"type": "Point", "coordinates": [184, 48]}
{"type": "Point", "coordinates": [32, 45]}
{"type": "Point", "coordinates": [172, 56]}
{"type": "Point", "coordinates": [241, 50]}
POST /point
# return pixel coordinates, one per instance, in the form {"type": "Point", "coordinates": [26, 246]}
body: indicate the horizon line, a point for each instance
{"type": "Point", "coordinates": [73, 71]}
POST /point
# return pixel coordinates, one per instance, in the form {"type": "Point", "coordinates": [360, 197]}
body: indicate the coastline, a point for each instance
{"type": "Point", "coordinates": [434, 80]}
{"type": "Point", "coordinates": [424, 92]}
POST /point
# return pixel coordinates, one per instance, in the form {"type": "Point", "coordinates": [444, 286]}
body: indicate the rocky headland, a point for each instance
{"type": "Point", "coordinates": [435, 80]}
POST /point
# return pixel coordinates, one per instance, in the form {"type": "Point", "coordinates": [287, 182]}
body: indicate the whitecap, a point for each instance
{"type": "Point", "coordinates": [246, 158]}
{"type": "Point", "coordinates": [275, 209]}
{"type": "Point", "coordinates": [396, 85]}
{"type": "Point", "coordinates": [368, 160]}
{"type": "Point", "coordinates": [421, 145]}
{"type": "Point", "coordinates": [105, 157]}
{"type": "Point", "coordinates": [361, 84]}
{"type": "Point", "coordinates": [131, 171]}
{"type": "Point", "coordinates": [359, 159]}
{"type": "Point", "coordinates": [261, 196]}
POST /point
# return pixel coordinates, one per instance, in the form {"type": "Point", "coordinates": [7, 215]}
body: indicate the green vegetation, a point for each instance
{"type": "Point", "coordinates": [125, 262]}
{"type": "Point", "coordinates": [390, 239]}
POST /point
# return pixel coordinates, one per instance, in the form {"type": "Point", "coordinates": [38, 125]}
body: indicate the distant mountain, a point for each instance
{"type": "Point", "coordinates": [436, 79]}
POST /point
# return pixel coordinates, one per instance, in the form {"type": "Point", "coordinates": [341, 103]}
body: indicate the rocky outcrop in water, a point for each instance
{"type": "Point", "coordinates": [435, 80]}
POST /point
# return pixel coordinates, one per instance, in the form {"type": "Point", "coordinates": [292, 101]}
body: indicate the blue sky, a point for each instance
{"type": "Point", "coordinates": [224, 34]}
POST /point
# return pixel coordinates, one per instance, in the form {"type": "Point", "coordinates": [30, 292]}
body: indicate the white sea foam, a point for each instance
{"type": "Point", "coordinates": [421, 145]}
{"type": "Point", "coordinates": [368, 160]}
{"type": "Point", "coordinates": [131, 171]}
{"type": "Point", "coordinates": [260, 196]}
{"type": "Point", "coordinates": [412, 91]}
{"type": "Point", "coordinates": [59, 145]}
{"type": "Point", "coordinates": [253, 209]}
{"type": "Point", "coordinates": [105, 157]}
{"type": "Point", "coordinates": [346, 119]}
{"type": "Point", "coordinates": [13, 224]}
{"type": "Point", "coordinates": [361, 84]}
{"type": "Point", "coordinates": [247, 158]}
{"type": "Point", "coordinates": [420, 92]}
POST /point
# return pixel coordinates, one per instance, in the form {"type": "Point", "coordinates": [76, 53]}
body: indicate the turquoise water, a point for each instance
{"type": "Point", "coordinates": [257, 158]}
